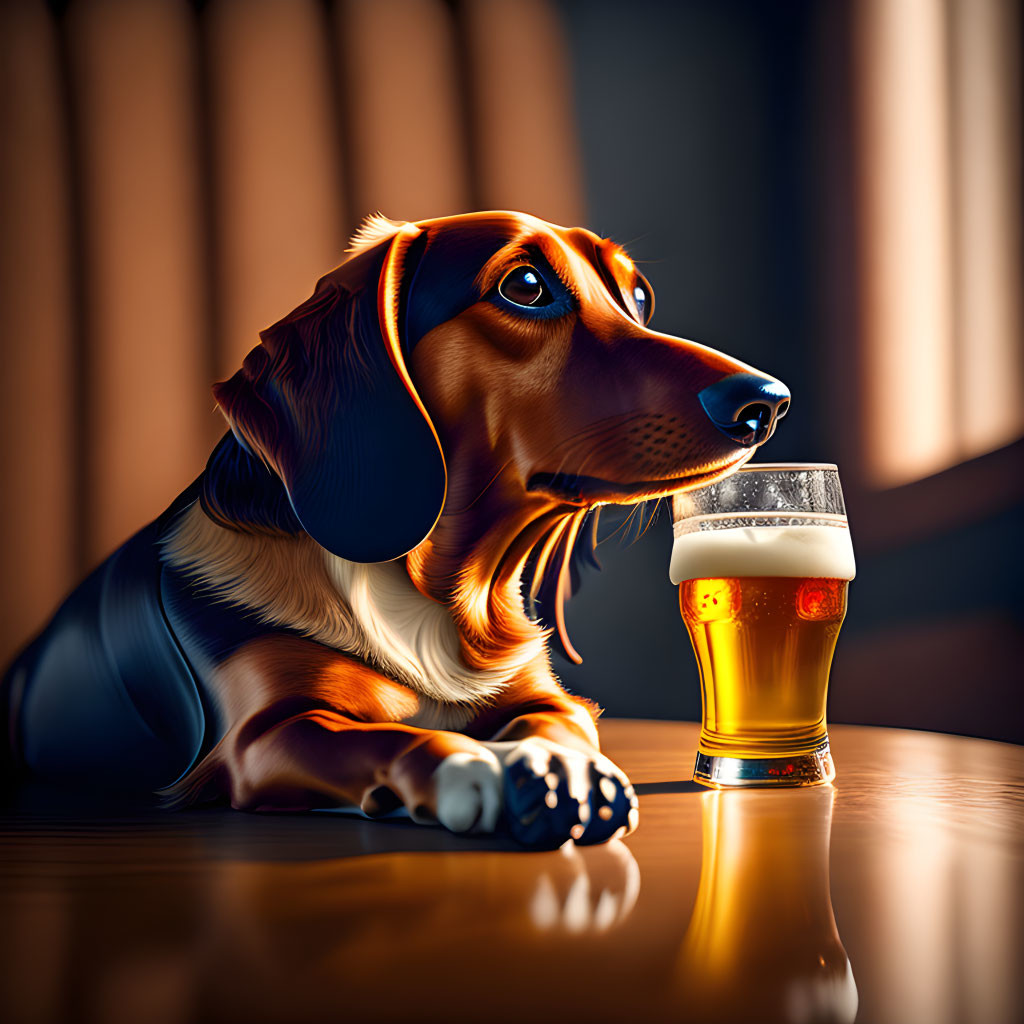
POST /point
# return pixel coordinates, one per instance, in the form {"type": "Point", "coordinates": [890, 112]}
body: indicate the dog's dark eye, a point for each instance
{"type": "Point", "coordinates": [643, 303]}
{"type": "Point", "coordinates": [524, 287]}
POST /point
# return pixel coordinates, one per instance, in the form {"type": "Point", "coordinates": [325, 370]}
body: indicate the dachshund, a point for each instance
{"type": "Point", "coordinates": [352, 605]}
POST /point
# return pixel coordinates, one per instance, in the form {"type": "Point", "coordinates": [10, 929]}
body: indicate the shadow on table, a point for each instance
{"type": "Point", "coordinates": [679, 786]}
{"type": "Point", "coordinates": [220, 833]}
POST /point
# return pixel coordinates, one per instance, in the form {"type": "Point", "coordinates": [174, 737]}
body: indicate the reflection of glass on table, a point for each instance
{"type": "Point", "coordinates": [762, 942]}
{"type": "Point", "coordinates": [763, 559]}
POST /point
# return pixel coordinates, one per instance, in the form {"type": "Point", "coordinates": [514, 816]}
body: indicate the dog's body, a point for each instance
{"type": "Point", "coordinates": [333, 612]}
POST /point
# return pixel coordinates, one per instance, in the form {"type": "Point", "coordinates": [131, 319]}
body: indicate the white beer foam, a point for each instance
{"type": "Point", "coordinates": [764, 551]}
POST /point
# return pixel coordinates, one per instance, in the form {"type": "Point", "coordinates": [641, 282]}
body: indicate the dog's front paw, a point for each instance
{"type": "Point", "coordinates": [554, 793]}
{"type": "Point", "coordinates": [468, 788]}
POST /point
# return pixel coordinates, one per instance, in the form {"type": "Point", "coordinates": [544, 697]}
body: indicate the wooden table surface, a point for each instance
{"type": "Point", "coordinates": [896, 895]}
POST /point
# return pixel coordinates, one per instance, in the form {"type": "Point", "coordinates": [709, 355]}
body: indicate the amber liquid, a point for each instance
{"type": "Point", "coordinates": [764, 646]}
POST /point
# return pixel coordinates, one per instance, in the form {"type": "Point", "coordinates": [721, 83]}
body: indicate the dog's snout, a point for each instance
{"type": "Point", "coordinates": [745, 406]}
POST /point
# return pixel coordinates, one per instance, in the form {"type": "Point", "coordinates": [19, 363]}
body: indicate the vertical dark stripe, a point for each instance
{"type": "Point", "coordinates": [839, 291]}
{"type": "Point", "coordinates": [213, 321]}
{"type": "Point", "coordinates": [342, 95]}
{"type": "Point", "coordinates": [465, 78]}
{"type": "Point", "coordinates": [80, 526]}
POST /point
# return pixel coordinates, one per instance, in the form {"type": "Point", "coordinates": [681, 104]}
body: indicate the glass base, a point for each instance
{"type": "Point", "coordinates": [814, 769]}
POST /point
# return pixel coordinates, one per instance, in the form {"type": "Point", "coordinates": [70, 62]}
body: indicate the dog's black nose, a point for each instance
{"type": "Point", "coordinates": [745, 406]}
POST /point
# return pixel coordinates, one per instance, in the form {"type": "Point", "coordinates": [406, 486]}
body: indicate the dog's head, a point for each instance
{"type": "Point", "coordinates": [499, 339]}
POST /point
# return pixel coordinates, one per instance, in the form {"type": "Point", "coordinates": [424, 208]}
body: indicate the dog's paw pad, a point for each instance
{"type": "Point", "coordinates": [469, 792]}
{"type": "Point", "coordinates": [612, 803]}
{"type": "Point", "coordinates": [554, 794]}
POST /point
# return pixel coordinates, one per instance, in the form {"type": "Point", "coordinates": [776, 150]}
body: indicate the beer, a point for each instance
{"type": "Point", "coordinates": [763, 596]}
{"type": "Point", "coordinates": [764, 646]}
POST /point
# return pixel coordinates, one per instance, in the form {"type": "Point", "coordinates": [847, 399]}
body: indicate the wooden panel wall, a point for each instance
{"type": "Point", "coordinates": [277, 176]}
{"type": "Point", "coordinates": [37, 399]}
{"type": "Point", "coordinates": [522, 117]}
{"type": "Point", "coordinates": [408, 151]}
{"type": "Point", "coordinates": [176, 176]}
{"type": "Point", "coordinates": [131, 69]}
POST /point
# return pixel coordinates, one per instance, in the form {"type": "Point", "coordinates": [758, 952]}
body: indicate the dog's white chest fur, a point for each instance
{"type": "Point", "coordinates": [409, 636]}
{"type": "Point", "coordinates": [372, 611]}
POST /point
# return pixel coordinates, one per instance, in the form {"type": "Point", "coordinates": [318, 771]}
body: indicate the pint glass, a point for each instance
{"type": "Point", "coordinates": [762, 560]}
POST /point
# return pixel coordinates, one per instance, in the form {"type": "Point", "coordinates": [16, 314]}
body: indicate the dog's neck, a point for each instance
{"type": "Point", "coordinates": [473, 560]}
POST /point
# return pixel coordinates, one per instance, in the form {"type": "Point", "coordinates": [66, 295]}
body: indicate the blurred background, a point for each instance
{"type": "Point", "coordinates": [830, 191]}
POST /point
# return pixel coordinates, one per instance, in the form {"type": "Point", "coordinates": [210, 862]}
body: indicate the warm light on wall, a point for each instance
{"type": "Point", "coordinates": [939, 178]}
{"type": "Point", "coordinates": [987, 117]}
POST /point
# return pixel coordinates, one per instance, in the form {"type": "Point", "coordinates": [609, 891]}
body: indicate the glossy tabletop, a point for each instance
{"type": "Point", "coordinates": [895, 895]}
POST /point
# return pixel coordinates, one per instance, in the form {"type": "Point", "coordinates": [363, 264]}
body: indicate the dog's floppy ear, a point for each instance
{"type": "Point", "coordinates": [326, 401]}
